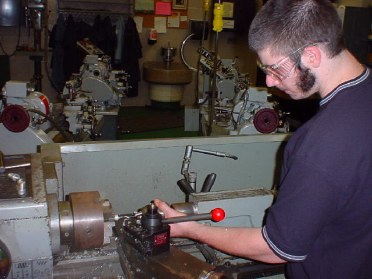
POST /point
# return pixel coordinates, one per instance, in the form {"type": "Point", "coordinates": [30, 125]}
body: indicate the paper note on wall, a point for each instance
{"type": "Point", "coordinates": [174, 20]}
{"type": "Point", "coordinates": [144, 5]}
{"type": "Point", "coordinates": [228, 9]}
{"type": "Point", "coordinates": [160, 24]}
{"type": "Point", "coordinates": [163, 8]}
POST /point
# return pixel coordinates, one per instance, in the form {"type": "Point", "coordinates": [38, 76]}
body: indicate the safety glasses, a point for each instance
{"type": "Point", "coordinates": [283, 68]}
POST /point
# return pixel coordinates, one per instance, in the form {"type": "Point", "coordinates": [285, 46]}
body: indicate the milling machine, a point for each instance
{"type": "Point", "coordinates": [98, 81]}
{"type": "Point", "coordinates": [92, 99]}
{"type": "Point", "coordinates": [238, 108]}
{"type": "Point", "coordinates": [27, 119]}
{"type": "Point", "coordinates": [89, 111]}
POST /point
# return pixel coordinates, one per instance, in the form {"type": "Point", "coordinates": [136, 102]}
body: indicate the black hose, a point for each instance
{"type": "Point", "coordinates": [208, 253]}
{"type": "Point", "coordinates": [66, 135]}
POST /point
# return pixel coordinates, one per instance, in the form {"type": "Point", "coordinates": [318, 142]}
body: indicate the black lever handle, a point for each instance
{"type": "Point", "coordinates": [185, 186]}
{"type": "Point", "coordinates": [208, 182]}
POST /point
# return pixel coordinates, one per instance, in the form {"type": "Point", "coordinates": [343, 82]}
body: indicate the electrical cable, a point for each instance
{"type": "Point", "coordinates": [206, 8]}
{"type": "Point", "coordinates": [46, 56]}
{"type": "Point", "coordinates": [217, 27]}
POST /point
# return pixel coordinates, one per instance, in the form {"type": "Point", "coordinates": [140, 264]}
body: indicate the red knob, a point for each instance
{"type": "Point", "coordinates": [217, 214]}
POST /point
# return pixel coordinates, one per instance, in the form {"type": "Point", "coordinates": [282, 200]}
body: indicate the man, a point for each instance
{"type": "Point", "coordinates": [320, 223]}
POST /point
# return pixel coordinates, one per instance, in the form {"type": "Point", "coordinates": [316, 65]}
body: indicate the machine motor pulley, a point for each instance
{"type": "Point", "coordinates": [20, 103]}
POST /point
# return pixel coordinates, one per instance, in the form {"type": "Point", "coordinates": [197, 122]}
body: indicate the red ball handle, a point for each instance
{"type": "Point", "coordinates": [217, 214]}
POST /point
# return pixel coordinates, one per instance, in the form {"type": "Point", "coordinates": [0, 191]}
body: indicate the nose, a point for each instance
{"type": "Point", "coordinates": [271, 82]}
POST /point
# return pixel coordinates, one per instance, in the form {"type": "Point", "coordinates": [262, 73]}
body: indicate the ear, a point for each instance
{"type": "Point", "coordinates": [312, 56]}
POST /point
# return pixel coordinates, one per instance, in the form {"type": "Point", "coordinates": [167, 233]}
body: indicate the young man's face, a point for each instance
{"type": "Point", "coordinates": [298, 82]}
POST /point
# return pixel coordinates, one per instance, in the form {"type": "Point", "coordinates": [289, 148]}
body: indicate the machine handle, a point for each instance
{"type": "Point", "coordinates": [208, 182]}
{"type": "Point", "coordinates": [3, 168]}
{"type": "Point", "coordinates": [185, 186]}
{"type": "Point", "coordinates": [216, 215]}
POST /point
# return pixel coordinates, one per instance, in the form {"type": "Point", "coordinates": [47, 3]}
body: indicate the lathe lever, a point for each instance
{"type": "Point", "coordinates": [208, 182]}
{"type": "Point", "coordinates": [3, 168]}
{"type": "Point", "coordinates": [216, 215]}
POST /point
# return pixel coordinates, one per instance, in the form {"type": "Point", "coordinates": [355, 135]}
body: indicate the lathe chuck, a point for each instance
{"type": "Point", "coordinates": [81, 221]}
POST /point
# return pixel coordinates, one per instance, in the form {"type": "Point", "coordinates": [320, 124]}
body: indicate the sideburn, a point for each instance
{"type": "Point", "coordinates": [306, 79]}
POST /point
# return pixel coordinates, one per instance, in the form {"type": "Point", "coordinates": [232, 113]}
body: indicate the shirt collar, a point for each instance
{"type": "Point", "coordinates": [342, 86]}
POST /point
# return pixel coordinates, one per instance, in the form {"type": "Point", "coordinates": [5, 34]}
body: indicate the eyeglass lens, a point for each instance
{"type": "Point", "coordinates": [279, 71]}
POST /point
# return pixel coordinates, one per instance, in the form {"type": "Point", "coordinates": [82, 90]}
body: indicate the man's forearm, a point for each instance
{"type": "Point", "coordinates": [242, 242]}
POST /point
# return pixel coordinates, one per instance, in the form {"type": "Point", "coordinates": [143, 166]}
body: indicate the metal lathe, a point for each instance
{"type": "Point", "coordinates": [84, 210]}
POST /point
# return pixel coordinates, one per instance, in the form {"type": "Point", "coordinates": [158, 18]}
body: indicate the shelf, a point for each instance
{"type": "Point", "coordinates": [123, 7]}
{"type": "Point", "coordinates": [122, 2]}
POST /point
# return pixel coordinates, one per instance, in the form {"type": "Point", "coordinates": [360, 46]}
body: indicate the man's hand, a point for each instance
{"type": "Point", "coordinates": [243, 242]}
{"type": "Point", "coordinates": [178, 229]}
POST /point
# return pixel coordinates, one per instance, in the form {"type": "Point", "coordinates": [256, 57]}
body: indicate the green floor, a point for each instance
{"type": "Point", "coordinates": [148, 123]}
